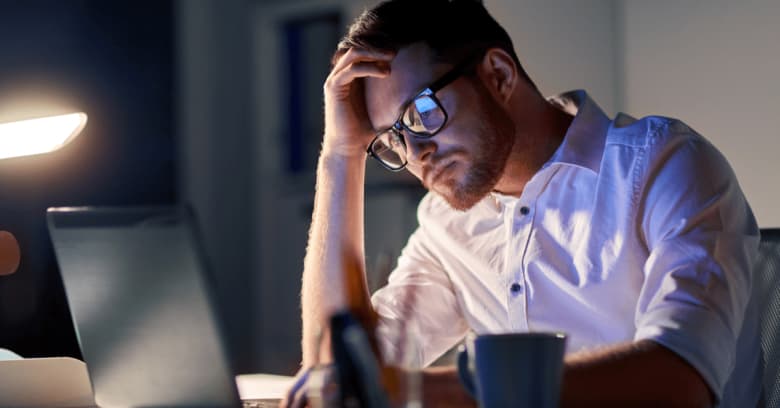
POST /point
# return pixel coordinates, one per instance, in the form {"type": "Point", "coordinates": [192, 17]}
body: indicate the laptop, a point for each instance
{"type": "Point", "coordinates": [139, 294]}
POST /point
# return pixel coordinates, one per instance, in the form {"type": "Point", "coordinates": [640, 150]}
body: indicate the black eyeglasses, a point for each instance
{"type": "Point", "coordinates": [423, 116]}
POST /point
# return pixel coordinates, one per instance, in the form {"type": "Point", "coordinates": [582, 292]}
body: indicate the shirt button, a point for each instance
{"type": "Point", "coordinates": [524, 210]}
{"type": "Point", "coordinates": [516, 288]}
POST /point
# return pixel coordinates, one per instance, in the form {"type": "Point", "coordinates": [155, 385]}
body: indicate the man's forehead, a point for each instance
{"type": "Point", "coordinates": [410, 70]}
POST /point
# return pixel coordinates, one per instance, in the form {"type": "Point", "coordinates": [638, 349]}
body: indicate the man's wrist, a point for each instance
{"type": "Point", "coordinates": [342, 156]}
{"type": "Point", "coordinates": [335, 145]}
{"type": "Point", "coordinates": [343, 153]}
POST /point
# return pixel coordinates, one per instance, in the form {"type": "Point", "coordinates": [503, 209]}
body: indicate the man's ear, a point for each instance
{"type": "Point", "coordinates": [499, 73]}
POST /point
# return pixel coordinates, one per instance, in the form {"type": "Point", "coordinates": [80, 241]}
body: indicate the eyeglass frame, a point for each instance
{"type": "Point", "coordinates": [429, 91]}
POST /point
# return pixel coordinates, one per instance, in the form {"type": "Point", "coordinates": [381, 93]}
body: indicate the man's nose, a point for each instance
{"type": "Point", "coordinates": [418, 149]}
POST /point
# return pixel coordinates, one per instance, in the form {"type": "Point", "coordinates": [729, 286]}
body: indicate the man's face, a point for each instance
{"type": "Point", "coordinates": [466, 158]}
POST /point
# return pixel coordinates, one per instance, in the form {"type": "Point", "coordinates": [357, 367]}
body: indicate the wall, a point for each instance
{"type": "Point", "coordinates": [215, 159]}
{"type": "Point", "coordinates": [564, 44]}
{"type": "Point", "coordinates": [715, 65]}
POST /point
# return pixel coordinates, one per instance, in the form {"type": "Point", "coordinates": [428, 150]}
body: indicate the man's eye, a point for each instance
{"type": "Point", "coordinates": [412, 118]}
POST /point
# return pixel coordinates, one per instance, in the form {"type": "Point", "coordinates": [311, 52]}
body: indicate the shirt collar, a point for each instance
{"type": "Point", "coordinates": [583, 144]}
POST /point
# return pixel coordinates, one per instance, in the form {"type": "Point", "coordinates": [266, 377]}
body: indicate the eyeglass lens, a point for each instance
{"type": "Point", "coordinates": [423, 117]}
{"type": "Point", "coordinates": [390, 149]}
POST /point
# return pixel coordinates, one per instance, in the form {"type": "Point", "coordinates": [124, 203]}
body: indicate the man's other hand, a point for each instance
{"type": "Point", "coordinates": [313, 383]}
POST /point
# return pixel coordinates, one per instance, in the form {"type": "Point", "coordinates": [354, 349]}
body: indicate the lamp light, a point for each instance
{"type": "Point", "coordinates": [41, 135]}
{"type": "Point", "coordinates": [29, 137]}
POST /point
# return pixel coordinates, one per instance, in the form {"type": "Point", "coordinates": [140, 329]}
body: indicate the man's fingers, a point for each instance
{"type": "Point", "coordinates": [358, 55]}
{"type": "Point", "coordinates": [299, 385]}
{"type": "Point", "coordinates": [357, 70]}
{"type": "Point", "coordinates": [300, 400]}
{"type": "Point", "coordinates": [296, 398]}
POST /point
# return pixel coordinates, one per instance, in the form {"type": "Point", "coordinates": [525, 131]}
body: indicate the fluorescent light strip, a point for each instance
{"type": "Point", "coordinates": [42, 135]}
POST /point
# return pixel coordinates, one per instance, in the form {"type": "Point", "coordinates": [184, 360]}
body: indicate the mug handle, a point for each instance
{"type": "Point", "coordinates": [466, 379]}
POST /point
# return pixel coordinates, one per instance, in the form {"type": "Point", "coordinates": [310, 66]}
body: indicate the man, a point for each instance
{"type": "Point", "coordinates": [632, 236]}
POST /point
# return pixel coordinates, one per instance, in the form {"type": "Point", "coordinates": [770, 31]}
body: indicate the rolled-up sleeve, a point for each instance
{"type": "Point", "coordinates": [701, 238]}
{"type": "Point", "coordinates": [419, 301]}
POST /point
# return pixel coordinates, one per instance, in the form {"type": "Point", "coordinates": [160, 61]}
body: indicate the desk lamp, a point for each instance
{"type": "Point", "coordinates": [25, 138]}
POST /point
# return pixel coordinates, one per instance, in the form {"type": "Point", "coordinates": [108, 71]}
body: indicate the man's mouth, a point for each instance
{"type": "Point", "coordinates": [436, 173]}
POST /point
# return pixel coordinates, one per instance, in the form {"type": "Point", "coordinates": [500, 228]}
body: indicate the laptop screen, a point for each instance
{"type": "Point", "coordinates": [136, 284]}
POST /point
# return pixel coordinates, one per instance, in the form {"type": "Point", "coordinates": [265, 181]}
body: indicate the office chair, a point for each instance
{"type": "Point", "coordinates": [766, 286]}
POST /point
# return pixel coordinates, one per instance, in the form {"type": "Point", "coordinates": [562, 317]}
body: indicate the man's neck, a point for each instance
{"type": "Point", "coordinates": [539, 132]}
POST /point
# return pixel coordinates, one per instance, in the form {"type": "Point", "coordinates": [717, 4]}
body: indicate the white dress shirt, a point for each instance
{"type": "Point", "coordinates": [634, 229]}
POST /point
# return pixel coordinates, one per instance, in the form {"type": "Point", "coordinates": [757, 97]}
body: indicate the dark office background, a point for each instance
{"type": "Point", "coordinates": [115, 61]}
{"type": "Point", "coordinates": [168, 87]}
{"type": "Point", "coordinates": [198, 101]}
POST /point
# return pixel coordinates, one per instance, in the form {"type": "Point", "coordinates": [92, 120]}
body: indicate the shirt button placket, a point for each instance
{"type": "Point", "coordinates": [518, 318]}
{"type": "Point", "coordinates": [517, 301]}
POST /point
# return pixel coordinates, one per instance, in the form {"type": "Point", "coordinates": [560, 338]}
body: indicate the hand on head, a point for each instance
{"type": "Point", "coordinates": [347, 127]}
{"type": "Point", "coordinates": [10, 254]}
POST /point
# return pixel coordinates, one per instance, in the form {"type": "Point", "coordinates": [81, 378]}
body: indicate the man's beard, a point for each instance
{"type": "Point", "coordinates": [486, 164]}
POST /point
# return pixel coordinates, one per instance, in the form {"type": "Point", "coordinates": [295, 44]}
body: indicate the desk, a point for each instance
{"type": "Point", "coordinates": [63, 382]}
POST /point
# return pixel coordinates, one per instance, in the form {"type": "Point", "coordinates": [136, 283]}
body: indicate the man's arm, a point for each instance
{"type": "Point", "coordinates": [641, 373]}
{"type": "Point", "coordinates": [335, 240]}
{"type": "Point", "coordinates": [627, 375]}
{"type": "Point", "coordinates": [335, 246]}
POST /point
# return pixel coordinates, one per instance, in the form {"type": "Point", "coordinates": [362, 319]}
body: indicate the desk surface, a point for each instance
{"type": "Point", "coordinates": [64, 382]}
{"type": "Point", "coordinates": [263, 386]}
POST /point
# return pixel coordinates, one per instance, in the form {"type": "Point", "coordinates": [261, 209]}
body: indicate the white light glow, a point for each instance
{"type": "Point", "coordinates": [42, 135]}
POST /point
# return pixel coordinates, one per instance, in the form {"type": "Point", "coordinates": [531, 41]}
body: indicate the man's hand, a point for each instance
{"type": "Point", "coordinates": [296, 395]}
{"type": "Point", "coordinates": [318, 387]}
{"type": "Point", "coordinates": [317, 383]}
{"type": "Point", "coordinates": [348, 130]}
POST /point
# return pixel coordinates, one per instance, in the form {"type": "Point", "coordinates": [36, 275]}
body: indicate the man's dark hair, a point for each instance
{"type": "Point", "coordinates": [453, 29]}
